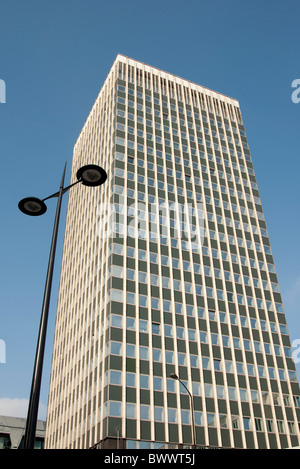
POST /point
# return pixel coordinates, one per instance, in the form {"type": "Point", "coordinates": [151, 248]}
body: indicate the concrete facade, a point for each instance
{"type": "Point", "coordinates": [168, 268]}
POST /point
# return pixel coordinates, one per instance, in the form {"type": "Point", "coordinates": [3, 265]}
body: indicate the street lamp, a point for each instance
{"type": "Point", "coordinates": [89, 175]}
{"type": "Point", "coordinates": [174, 376]}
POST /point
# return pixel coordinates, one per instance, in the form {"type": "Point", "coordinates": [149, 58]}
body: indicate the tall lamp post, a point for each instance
{"type": "Point", "coordinates": [89, 175]}
{"type": "Point", "coordinates": [174, 376]}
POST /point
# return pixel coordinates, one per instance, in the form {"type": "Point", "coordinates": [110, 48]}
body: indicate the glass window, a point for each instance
{"type": "Point", "coordinates": [287, 352]}
{"type": "Point", "coordinates": [277, 350]}
{"type": "Point", "coordinates": [116, 348]}
{"type": "Point", "coordinates": [142, 277]}
{"type": "Point", "coordinates": [196, 389]}
{"type": "Point", "coordinates": [181, 358]}
{"type": "Point", "coordinates": [180, 332]}
{"type": "Point", "coordinates": [117, 295]}
{"type": "Point", "coordinates": [143, 325]}
{"type": "Point", "coordinates": [254, 395]}
{"type": "Point", "coordinates": [198, 418]}
{"type": "Point", "coordinates": [220, 392]}
{"type": "Point", "coordinates": [217, 365]}
{"type": "Point", "coordinates": [246, 422]}
{"type": "Point", "coordinates": [230, 296]}
{"type": "Point", "coordinates": [203, 337]}
{"type": "Point", "coordinates": [223, 317]}
{"type": "Point", "coordinates": [145, 412]}
{"type": "Point", "coordinates": [164, 260]}
{"type": "Point", "coordinates": [247, 344]}
{"type": "Point", "coordinates": [144, 353]}
{"type": "Point", "coordinates": [228, 366]}
{"type": "Point", "coordinates": [130, 274]}
{"type": "Point", "coordinates": [154, 279]}
{"type": "Point", "coordinates": [156, 355]}
{"type": "Point", "coordinates": [206, 363]}
{"type": "Point", "coordinates": [235, 423]}
{"type": "Point", "coordinates": [130, 379]}
{"type": "Point", "coordinates": [215, 339]}
{"type": "Point", "coordinates": [168, 330]}
{"type": "Point", "coordinates": [194, 361]}
{"type": "Point", "coordinates": [243, 395]}
{"type": "Point", "coordinates": [130, 298]}
{"type": "Point", "coordinates": [130, 324]}
{"type": "Point", "coordinates": [117, 249]}
{"type": "Point", "coordinates": [158, 414]}
{"type": "Point", "coordinates": [280, 425]}
{"type": "Point", "coordinates": [144, 381]}
{"type": "Point", "coordinates": [257, 346]}
{"type": "Point", "coordinates": [225, 340]}
{"type": "Point", "coordinates": [157, 383]}
{"type": "Point", "coordinates": [115, 409]}
{"type": "Point", "coordinates": [269, 424]}
{"type": "Point", "coordinates": [291, 427]}
{"type": "Point", "coordinates": [131, 411]}
{"type": "Point", "coordinates": [283, 329]}
{"type": "Point", "coordinates": [211, 420]}
{"type": "Point", "coordinates": [169, 356]}
{"type": "Point", "coordinates": [297, 401]}
{"type": "Point", "coordinates": [243, 320]}
{"type": "Point", "coordinates": [258, 425]}
{"type": "Point", "coordinates": [116, 271]}
{"type": "Point", "coordinates": [130, 350]}
{"type": "Point", "coordinates": [155, 328]}
{"type": "Point", "coordinates": [172, 415]}
{"type": "Point", "coordinates": [271, 371]}
{"type": "Point", "coordinates": [170, 385]}
{"type": "Point", "coordinates": [115, 377]}
{"type": "Point", "coordinates": [116, 320]}
{"type": "Point", "coordinates": [143, 300]}
{"type": "Point", "coordinates": [130, 252]}
{"type": "Point", "coordinates": [208, 390]}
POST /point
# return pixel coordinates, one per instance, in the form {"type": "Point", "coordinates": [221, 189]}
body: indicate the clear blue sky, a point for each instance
{"type": "Point", "coordinates": [54, 57]}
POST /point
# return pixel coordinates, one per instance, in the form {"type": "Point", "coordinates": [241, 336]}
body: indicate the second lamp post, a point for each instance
{"type": "Point", "coordinates": [174, 376]}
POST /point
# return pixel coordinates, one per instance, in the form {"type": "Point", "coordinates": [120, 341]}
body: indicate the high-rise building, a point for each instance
{"type": "Point", "coordinates": [167, 270]}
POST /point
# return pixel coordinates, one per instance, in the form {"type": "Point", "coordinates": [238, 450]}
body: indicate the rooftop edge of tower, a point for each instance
{"type": "Point", "coordinates": [123, 58]}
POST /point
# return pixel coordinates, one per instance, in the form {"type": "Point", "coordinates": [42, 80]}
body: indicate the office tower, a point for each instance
{"type": "Point", "coordinates": [167, 269]}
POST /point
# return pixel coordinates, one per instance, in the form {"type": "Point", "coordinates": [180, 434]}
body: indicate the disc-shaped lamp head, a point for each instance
{"type": "Point", "coordinates": [174, 376]}
{"type": "Point", "coordinates": [91, 175]}
{"type": "Point", "coordinates": [32, 206]}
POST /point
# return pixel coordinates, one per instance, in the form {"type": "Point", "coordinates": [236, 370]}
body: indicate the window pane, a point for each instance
{"type": "Point", "coordinates": [116, 348]}
{"type": "Point", "coordinates": [115, 377]}
{"type": "Point", "coordinates": [130, 379]}
{"type": "Point", "coordinates": [115, 409]}
{"type": "Point", "coordinates": [131, 411]}
{"type": "Point", "coordinates": [145, 412]}
{"type": "Point", "coordinates": [172, 415]}
{"type": "Point", "coordinates": [158, 414]}
{"type": "Point", "coordinates": [185, 416]}
{"type": "Point", "coordinates": [144, 381]}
